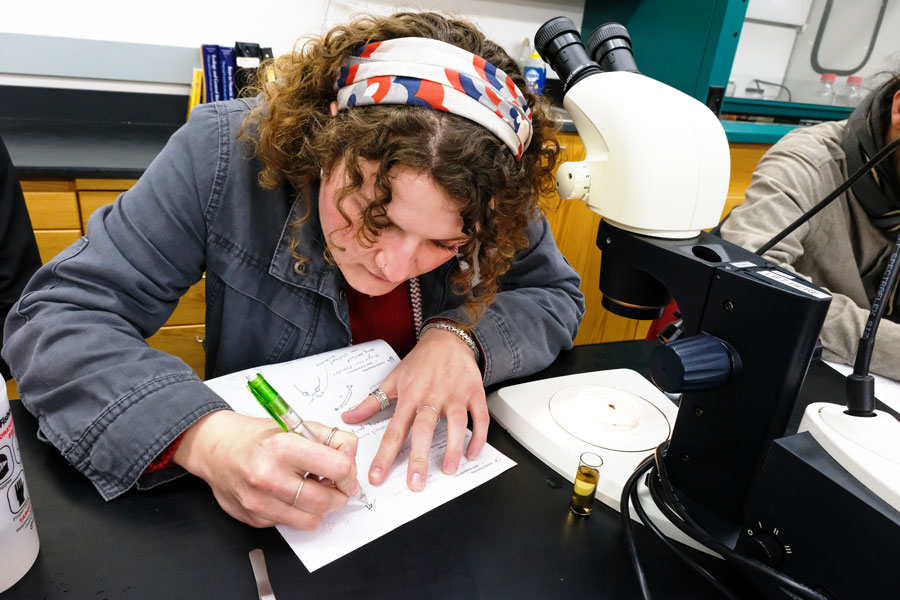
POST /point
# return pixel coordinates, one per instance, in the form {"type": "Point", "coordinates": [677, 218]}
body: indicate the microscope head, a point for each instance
{"type": "Point", "coordinates": [657, 160]}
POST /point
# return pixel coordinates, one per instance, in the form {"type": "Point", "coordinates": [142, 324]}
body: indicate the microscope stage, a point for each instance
{"type": "Point", "coordinates": [617, 414]}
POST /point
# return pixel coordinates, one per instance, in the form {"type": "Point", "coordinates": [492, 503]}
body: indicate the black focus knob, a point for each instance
{"type": "Point", "coordinates": [766, 548]}
{"type": "Point", "coordinates": [700, 362]}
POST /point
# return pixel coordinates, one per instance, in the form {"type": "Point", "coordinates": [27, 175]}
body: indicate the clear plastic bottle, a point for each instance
{"type": "Point", "coordinates": [850, 93]}
{"type": "Point", "coordinates": [525, 53]}
{"type": "Point", "coordinates": [824, 93]}
{"type": "Point", "coordinates": [19, 544]}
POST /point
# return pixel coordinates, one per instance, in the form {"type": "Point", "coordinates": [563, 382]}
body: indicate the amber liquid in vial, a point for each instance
{"type": "Point", "coordinates": [583, 493]}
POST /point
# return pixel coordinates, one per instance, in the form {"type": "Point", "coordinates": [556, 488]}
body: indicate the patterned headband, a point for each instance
{"type": "Point", "coordinates": [425, 72]}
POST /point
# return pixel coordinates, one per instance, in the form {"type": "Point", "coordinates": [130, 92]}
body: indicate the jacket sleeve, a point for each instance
{"type": "Point", "coordinates": [787, 182]}
{"type": "Point", "coordinates": [535, 314]}
{"type": "Point", "coordinates": [75, 340]}
{"type": "Point", "coordinates": [19, 257]}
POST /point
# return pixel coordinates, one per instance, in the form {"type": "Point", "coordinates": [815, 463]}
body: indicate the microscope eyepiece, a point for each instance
{"type": "Point", "coordinates": [610, 47]}
{"type": "Point", "coordinates": [558, 42]}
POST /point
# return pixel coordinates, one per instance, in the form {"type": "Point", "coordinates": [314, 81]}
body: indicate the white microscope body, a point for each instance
{"type": "Point", "coordinates": [657, 160]}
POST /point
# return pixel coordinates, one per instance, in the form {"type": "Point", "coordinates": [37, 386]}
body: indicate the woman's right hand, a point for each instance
{"type": "Point", "coordinates": [255, 469]}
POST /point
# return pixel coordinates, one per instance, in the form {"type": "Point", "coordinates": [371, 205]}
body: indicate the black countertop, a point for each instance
{"type": "Point", "coordinates": [86, 133]}
{"type": "Point", "coordinates": [83, 149]}
{"type": "Point", "coordinates": [511, 538]}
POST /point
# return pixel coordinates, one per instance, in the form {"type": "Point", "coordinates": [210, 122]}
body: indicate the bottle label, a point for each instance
{"type": "Point", "coordinates": [14, 500]}
{"type": "Point", "coordinates": [535, 79]}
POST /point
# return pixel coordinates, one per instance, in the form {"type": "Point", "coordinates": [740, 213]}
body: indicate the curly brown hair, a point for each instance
{"type": "Point", "coordinates": [297, 139]}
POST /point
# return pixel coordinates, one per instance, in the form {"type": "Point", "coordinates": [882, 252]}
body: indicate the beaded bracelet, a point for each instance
{"type": "Point", "coordinates": [460, 333]}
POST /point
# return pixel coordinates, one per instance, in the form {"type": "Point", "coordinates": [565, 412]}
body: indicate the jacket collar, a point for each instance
{"type": "Point", "coordinates": [316, 274]}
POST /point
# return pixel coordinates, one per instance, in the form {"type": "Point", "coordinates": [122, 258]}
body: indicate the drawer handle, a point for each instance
{"type": "Point", "coordinates": [199, 339]}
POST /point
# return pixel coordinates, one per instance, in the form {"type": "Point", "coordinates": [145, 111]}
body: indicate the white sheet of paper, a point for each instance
{"type": "Point", "coordinates": [319, 388]}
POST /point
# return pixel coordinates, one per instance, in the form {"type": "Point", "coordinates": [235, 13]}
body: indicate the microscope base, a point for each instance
{"type": "Point", "coordinates": [812, 520]}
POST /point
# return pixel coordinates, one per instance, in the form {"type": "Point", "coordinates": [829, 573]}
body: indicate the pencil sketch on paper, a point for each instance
{"type": "Point", "coordinates": [343, 378]}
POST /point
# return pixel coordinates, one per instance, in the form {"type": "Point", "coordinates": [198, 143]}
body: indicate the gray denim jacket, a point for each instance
{"type": "Point", "coordinates": [111, 404]}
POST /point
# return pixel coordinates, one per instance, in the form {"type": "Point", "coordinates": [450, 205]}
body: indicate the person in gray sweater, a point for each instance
{"type": "Point", "coordinates": [845, 247]}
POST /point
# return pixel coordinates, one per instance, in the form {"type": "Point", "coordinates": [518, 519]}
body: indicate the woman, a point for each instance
{"type": "Point", "coordinates": [367, 192]}
{"type": "Point", "coordinates": [846, 247]}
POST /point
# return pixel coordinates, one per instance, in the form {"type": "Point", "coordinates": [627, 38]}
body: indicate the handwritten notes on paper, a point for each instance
{"type": "Point", "coordinates": [320, 388]}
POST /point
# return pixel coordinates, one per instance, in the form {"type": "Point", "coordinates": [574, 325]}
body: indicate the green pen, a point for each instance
{"type": "Point", "coordinates": [285, 416]}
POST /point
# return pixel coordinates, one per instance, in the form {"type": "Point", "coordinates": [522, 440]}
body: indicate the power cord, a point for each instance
{"type": "Point", "coordinates": [624, 510]}
{"type": "Point", "coordinates": [663, 495]}
{"type": "Point", "coordinates": [860, 384]}
{"type": "Point", "coordinates": [778, 85]}
{"type": "Point", "coordinates": [694, 565]}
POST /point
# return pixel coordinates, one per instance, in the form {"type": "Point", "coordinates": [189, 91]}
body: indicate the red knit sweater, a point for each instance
{"type": "Point", "coordinates": [388, 317]}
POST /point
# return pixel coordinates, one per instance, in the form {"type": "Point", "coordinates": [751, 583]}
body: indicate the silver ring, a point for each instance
{"type": "Point", "coordinates": [432, 408]}
{"type": "Point", "coordinates": [297, 495]}
{"type": "Point", "coordinates": [382, 398]}
{"type": "Point", "coordinates": [330, 435]}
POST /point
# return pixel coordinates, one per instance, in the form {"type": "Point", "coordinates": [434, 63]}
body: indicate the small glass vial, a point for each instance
{"type": "Point", "coordinates": [582, 503]}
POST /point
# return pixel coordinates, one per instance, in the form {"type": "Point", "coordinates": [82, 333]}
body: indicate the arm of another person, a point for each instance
{"type": "Point", "coordinates": [786, 183]}
{"type": "Point", "coordinates": [19, 257]}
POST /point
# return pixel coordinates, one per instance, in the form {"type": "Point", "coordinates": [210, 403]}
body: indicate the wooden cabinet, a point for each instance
{"type": "Point", "coordinates": [55, 216]}
{"type": "Point", "coordinates": [59, 211]}
{"type": "Point", "coordinates": [184, 341]}
{"type": "Point", "coordinates": [743, 162]}
{"type": "Point", "coordinates": [574, 227]}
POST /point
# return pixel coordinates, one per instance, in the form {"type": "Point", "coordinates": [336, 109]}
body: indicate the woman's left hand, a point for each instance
{"type": "Point", "coordinates": [438, 378]}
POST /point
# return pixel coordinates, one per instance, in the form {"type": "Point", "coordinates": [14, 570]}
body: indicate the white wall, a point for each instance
{"type": "Point", "coordinates": [778, 36]}
{"type": "Point", "coordinates": [767, 41]}
{"type": "Point", "coordinates": [275, 23]}
{"type": "Point", "coordinates": [846, 38]}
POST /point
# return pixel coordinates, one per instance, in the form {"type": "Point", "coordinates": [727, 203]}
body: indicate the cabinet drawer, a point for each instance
{"type": "Point", "coordinates": [53, 210]}
{"type": "Point", "coordinates": [91, 201]}
{"type": "Point", "coordinates": [183, 341]}
{"type": "Point", "coordinates": [104, 184]}
{"type": "Point", "coordinates": [53, 241]}
{"type": "Point", "coordinates": [743, 162]}
{"type": "Point", "coordinates": [191, 309]}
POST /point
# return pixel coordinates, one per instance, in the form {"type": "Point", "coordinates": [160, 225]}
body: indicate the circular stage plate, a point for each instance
{"type": "Point", "coordinates": [609, 418]}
